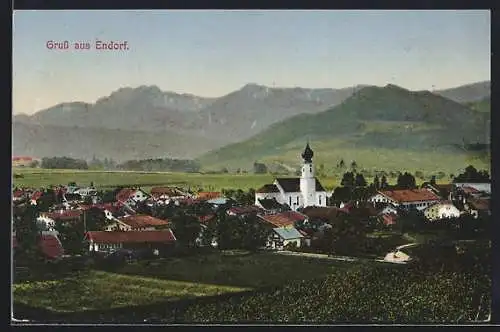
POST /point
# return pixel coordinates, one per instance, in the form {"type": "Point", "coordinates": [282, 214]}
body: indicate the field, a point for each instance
{"type": "Point", "coordinates": [256, 288]}
{"type": "Point", "coordinates": [169, 280]}
{"type": "Point", "coordinates": [37, 177]}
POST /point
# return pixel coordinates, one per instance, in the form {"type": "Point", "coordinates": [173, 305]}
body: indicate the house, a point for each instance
{"type": "Point", "coordinates": [271, 205]}
{"type": "Point", "coordinates": [100, 241]}
{"type": "Point", "coordinates": [168, 193]}
{"type": "Point", "coordinates": [204, 221]}
{"type": "Point", "coordinates": [208, 195]}
{"type": "Point", "coordinates": [445, 191]}
{"type": "Point", "coordinates": [49, 244]}
{"type": "Point", "coordinates": [136, 223]}
{"type": "Point", "coordinates": [130, 196]}
{"type": "Point", "coordinates": [388, 219]}
{"type": "Point", "coordinates": [243, 210]}
{"type": "Point", "coordinates": [418, 199]}
{"type": "Point", "coordinates": [219, 201]}
{"type": "Point", "coordinates": [283, 236]}
{"type": "Point", "coordinates": [296, 192]}
{"type": "Point", "coordinates": [483, 187]}
{"type": "Point", "coordinates": [35, 197]}
{"type": "Point", "coordinates": [18, 196]}
{"type": "Point", "coordinates": [84, 192]}
{"type": "Point", "coordinates": [441, 210]}
{"type": "Point", "coordinates": [283, 219]}
{"type": "Point", "coordinates": [478, 207]}
{"type": "Point", "coordinates": [66, 216]}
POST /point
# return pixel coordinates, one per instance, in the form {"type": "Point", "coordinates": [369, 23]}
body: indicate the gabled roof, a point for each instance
{"type": "Point", "coordinates": [36, 195]}
{"type": "Point", "coordinates": [288, 218]}
{"type": "Point", "coordinates": [206, 195]}
{"type": "Point", "coordinates": [124, 194]}
{"type": "Point", "coordinates": [469, 190]}
{"type": "Point", "coordinates": [480, 204]}
{"type": "Point", "coordinates": [51, 246]}
{"type": "Point", "coordinates": [167, 191]}
{"type": "Point", "coordinates": [206, 219]}
{"type": "Point", "coordinates": [164, 236]}
{"type": "Point", "coordinates": [65, 214]}
{"type": "Point", "coordinates": [238, 210]}
{"type": "Point", "coordinates": [288, 233]}
{"type": "Point", "coordinates": [292, 185]}
{"type": "Point", "coordinates": [410, 195]}
{"type": "Point", "coordinates": [140, 221]}
{"type": "Point", "coordinates": [268, 188]}
{"type": "Point", "coordinates": [323, 213]}
{"type": "Point", "coordinates": [270, 204]}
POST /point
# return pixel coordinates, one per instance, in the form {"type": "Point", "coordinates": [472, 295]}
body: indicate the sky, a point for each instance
{"type": "Point", "coordinates": [212, 53]}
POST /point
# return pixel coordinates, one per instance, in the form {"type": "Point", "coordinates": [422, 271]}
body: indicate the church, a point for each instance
{"type": "Point", "coordinates": [295, 192]}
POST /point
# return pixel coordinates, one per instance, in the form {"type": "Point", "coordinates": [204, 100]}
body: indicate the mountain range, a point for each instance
{"type": "Point", "coordinates": [146, 122]}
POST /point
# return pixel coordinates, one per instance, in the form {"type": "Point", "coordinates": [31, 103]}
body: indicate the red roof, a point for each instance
{"type": "Point", "coordinates": [206, 219]}
{"type": "Point", "coordinates": [389, 219]}
{"type": "Point", "coordinates": [480, 204]}
{"type": "Point", "coordinates": [51, 246]}
{"type": "Point", "coordinates": [65, 214]}
{"type": "Point", "coordinates": [124, 194]}
{"type": "Point", "coordinates": [470, 190]}
{"type": "Point", "coordinates": [283, 219]}
{"type": "Point", "coordinates": [140, 221]}
{"type": "Point", "coordinates": [18, 158]}
{"type": "Point", "coordinates": [36, 195]}
{"type": "Point", "coordinates": [244, 209]}
{"type": "Point", "coordinates": [206, 195]}
{"type": "Point", "coordinates": [410, 195]}
{"type": "Point", "coordinates": [18, 193]}
{"type": "Point", "coordinates": [132, 236]}
{"type": "Point", "coordinates": [167, 191]}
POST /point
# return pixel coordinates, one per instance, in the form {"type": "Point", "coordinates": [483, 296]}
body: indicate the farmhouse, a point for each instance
{"type": "Point", "coordinates": [130, 196]}
{"type": "Point", "coordinates": [136, 223]}
{"type": "Point", "coordinates": [296, 192]}
{"type": "Point", "coordinates": [283, 236]}
{"type": "Point", "coordinates": [109, 241]}
{"type": "Point", "coordinates": [442, 210]}
{"type": "Point", "coordinates": [168, 193]}
{"type": "Point", "coordinates": [418, 199]}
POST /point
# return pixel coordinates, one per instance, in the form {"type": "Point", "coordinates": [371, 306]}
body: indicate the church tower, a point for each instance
{"type": "Point", "coordinates": [307, 179]}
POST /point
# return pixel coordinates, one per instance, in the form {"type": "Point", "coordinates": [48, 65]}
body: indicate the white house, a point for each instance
{"type": "Point", "coordinates": [296, 192]}
{"type": "Point", "coordinates": [483, 187]}
{"type": "Point", "coordinates": [283, 236]}
{"type": "Point", "coordinates": [440, 211]}
{"type": "Point", "coordinates": [419, 199]}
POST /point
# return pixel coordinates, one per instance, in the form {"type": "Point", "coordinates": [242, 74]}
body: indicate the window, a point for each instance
{"type": "Point", "coordinates": [290, 200]}
{"type": "Point", "coordinates": [310, 169]}
{"type": "Point", "coordinates": [297, 200]}
{"type": "Point", "coordinates": [319, 199]}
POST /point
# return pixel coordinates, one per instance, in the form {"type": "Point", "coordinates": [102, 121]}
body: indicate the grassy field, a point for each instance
{"type": "Point", "coordinates": [37, 177]}
{"type": "Point", "coordinates": [170, 280]}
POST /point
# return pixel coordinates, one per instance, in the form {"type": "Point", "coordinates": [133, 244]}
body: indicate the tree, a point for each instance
{"type": "Point", "coordinates": [383, 182]}
{"type": "Point", "coordinates": [259, 168]}
{"type": "Point", "coordinates": [376, 182]}
{"type": "Point", "coordinates": [186, 228]}
{"type": "Point", "coordinates": [354, 165]}
{"type": "Point", "coordinates": [27, 234]}
{"type": "Point", "coordinates": [360, 180]}
{"type": "Point", "coordinates": [348, 180]}
{"type": "Point", "coordinates": [406, 181]}
{"type": "Point", "coordinates": [341, 164]}
{"type": "Point", "coordinates": [433, 180]}
{"type": "Point", "coordinates": [35, 164]}
{"type": "Point", "coordinates": [342, 194]}
{"type": "Point", "coordinates": [471, 175]}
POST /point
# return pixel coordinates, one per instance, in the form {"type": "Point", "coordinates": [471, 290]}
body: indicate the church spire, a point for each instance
{"type": "Point", "coordinates": [308, 153]}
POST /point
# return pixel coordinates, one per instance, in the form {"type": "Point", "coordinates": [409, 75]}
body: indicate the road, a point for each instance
{"type": "Point", "coordinates": [324, 256]}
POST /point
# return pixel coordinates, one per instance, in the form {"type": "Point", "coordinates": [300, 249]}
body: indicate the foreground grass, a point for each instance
{"type": "Point", "coordinates": [170, 280]}
{"type": "Point", "coordinates": [99, 290]}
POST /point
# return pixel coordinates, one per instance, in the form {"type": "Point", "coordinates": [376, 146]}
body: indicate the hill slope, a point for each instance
{"type": "Point", "coordinates": [47, 141]}
{"type": "Point", "coordinates": [467, 93]}
{"type": "Point", "coordinates": [373, 119]}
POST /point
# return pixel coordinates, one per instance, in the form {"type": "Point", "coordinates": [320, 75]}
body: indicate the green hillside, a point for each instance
{"type": "Point", "coordinates": [483, 105]}
{"type": "Point", "coordinates": [384, 128]}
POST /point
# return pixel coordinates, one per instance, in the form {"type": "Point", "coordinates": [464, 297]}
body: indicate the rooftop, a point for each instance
{"type": "Point", "coordinates": [165, 236]}
{"type": "Point", "coordinates": [410, 195]}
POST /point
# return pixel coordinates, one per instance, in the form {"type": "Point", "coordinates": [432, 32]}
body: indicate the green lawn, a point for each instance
{"type": "Point", "coordinates": [105, 290]}
{"type": "Point", "coordinates": [172, 279]}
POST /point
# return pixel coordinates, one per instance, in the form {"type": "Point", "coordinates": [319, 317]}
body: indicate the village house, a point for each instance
{"type": "Point", "coordinates": [283, 229]}
{"type": "Point", "coordinates": [478, 207]}
{"type": "Point", "coordinates": [296, 192]}
{"type": "Point", "coordinates": [418, 199]}
{"type": "Point", "coordinates": [243, 210]}
{"type": "Point", "coordinates": [66, 216]}
{"type": "Point", "coordinates": [271, 205]}
{"type": "Point", "coordinates": [102, 241]}
{"type": "Point", "coordinates": [131, 196]}
{"type": "Point", "coordinates": [441, 210]}
{"type": "Point", "coordinates": [208, 195]}
{"type": "Point", "coordinates": [136, 223]}
{"type": "Point", "coordinates": [49, 244]}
